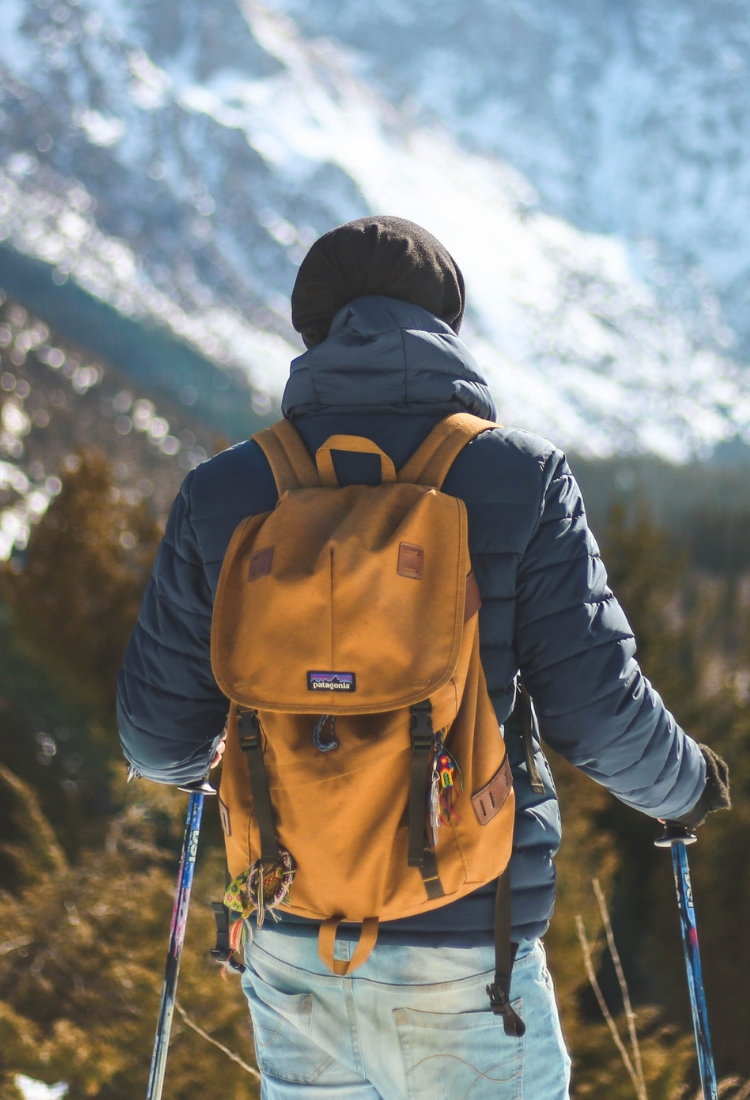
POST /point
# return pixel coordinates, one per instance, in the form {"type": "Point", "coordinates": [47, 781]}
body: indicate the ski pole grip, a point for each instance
{"type": "Point", "coordinates": [675, 834]}
{"type": "Point", "coordinates": [201, 786]}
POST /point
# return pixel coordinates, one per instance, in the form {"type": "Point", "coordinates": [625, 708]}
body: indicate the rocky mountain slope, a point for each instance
{"type": "Point", "coordinates": [57, 402]}
{"type": "Point", "coordinates": [628, 116]}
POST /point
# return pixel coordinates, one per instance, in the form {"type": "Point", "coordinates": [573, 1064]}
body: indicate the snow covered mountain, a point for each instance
{"type": "Point", "coordinates": [176, 159]}
{"type": "Point", "coordinates": [57, 400]}
{"type": "Point", "coordinates": [628, 116]}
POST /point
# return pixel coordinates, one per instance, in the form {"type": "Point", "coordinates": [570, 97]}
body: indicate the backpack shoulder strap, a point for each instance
{"type": "Point", "coordinates": [431, 461]}
{"type": "Point", "coordinates": [287, 455]}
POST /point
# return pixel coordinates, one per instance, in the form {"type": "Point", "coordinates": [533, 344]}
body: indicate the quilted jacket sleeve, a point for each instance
{"type": "Point", "coordinates": [576, 653]}
{"type": "Point", "coordinates": [170, 710]}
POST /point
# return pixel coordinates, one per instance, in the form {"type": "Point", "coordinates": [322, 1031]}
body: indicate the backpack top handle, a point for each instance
{"type": "Point", "coordinates": [358, 443]}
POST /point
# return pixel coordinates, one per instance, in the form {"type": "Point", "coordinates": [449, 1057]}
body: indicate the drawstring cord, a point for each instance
{"type": "Point", "coordinates": [325, 746]}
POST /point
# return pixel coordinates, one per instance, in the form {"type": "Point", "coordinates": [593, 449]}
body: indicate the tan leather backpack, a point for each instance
{"type": "Point", "coordinates": [345, 634]}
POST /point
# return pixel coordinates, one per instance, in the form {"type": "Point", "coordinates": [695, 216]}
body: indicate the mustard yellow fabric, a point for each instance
{"type": "Point", "coordinates": [332, 599]}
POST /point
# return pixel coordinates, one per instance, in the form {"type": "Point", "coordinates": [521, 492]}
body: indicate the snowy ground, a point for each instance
{"type": "Point", "coordinates": [37, 1090]}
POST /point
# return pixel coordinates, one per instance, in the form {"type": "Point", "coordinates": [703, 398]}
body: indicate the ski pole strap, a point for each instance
{"type": "Point", "coordinates": [251, 743]}
{"type": "Point", "coordinates": [505, 954]}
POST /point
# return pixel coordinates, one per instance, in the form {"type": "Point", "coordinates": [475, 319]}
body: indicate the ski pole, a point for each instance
{"type": "Point", "coordinates": [677, 837]}
{"type": "Point", "coordinates": [197, 792]}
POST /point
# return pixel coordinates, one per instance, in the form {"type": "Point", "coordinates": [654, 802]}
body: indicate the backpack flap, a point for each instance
{"type": "Point", "coordinates": [342, 601]}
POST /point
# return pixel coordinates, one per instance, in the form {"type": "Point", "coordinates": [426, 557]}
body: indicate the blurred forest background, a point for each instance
{"type": "Point", "coordinates": [88, 863]}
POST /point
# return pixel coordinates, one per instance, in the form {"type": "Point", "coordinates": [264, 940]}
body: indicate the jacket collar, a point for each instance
{"type": "Point", "coordinates": [383, 355]}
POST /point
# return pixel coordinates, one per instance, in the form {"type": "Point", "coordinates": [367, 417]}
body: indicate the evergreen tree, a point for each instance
{"type": "Point", "coordinates": [82, 952]}
{"type": "Point", "coordinates": [76, 598]}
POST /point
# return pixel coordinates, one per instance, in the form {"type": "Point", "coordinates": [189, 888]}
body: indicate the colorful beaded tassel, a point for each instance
{"type": "Point", "coordinates": [259, 890]}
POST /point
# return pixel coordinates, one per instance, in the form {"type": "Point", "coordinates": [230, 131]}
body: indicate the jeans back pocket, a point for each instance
{"type": "Point", "coordinates": [448, 1055]}
{"type": "Point", "coordinates": [282, 1023]}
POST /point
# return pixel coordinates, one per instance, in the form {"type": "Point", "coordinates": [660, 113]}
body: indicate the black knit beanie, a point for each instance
{"type": "Point", "coordinates": [376, 255]}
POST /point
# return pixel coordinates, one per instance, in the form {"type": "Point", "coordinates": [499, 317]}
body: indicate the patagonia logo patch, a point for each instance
{"type": "Point", "coordinates": [331, 681]}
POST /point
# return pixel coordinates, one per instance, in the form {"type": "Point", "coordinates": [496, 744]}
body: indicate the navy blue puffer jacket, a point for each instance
{"type": "Point", "coordinates": [390, 371]}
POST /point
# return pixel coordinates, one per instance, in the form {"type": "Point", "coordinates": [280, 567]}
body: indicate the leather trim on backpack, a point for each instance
{"type": "Point", "coordinates": [410, 561]}
{"type": "Point", "coordinates": [226, 821]}
{"type": "Point", "coordinates": [490, 800]}
{"type": "Point", "coordinates": [260, 564]}
{"type": "Point", "coordinates": [473, 600]}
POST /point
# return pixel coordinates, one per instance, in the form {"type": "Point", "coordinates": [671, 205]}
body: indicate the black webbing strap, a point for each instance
{"type": "Point", "coordinates": [422, 739]}
{"type": "Point", "coordinates": [505, 954]}
{"type": "Point", "coordinates": [222, 952]}
{"type": "Point", "coordinates": [430, 876]}
{"type": "Point", "coordinates": [251, 743]}
{"type": "Point", "coordinates": [528, 727]}
{"type": "Point", "coordinates": [420, 853]}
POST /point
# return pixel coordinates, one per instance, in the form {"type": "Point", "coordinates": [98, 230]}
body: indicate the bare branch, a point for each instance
{"type": "Point", "coordinates": [14, 945]}
{"type": "Point", "coordinates": [629, 1014]}
{"type": "Point", "coordinates": [225, 1050]}
{"type": "Point", "coordinates": [744, 1093]}
{"type": "Point", "coordinates": [586, 948]}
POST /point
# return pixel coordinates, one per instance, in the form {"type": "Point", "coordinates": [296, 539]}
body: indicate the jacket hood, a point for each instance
{"type": "Point", "coordinates": [390, 356]}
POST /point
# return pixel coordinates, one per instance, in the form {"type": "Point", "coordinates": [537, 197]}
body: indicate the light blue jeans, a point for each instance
{"type": "Point", "coordinates": [412, 1023]}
